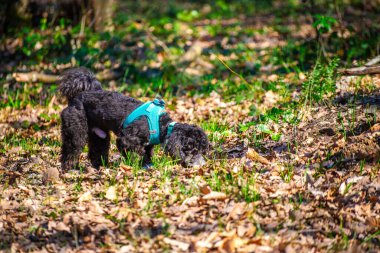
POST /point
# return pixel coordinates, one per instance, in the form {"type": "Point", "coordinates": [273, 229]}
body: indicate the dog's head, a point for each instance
{"type": "Point", "coordinates": [127, 142]}
{"type": "Point", "coordinates": [188, 143]}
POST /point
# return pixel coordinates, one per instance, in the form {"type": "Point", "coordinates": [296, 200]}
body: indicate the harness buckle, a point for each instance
{"type": "Point", "coordinates": [159, 102]}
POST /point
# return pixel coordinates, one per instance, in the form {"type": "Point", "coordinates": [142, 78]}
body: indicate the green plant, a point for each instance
{"type": "Point", "coordinates": [132, 159]}
{"type": "Point", "coordinates": [188, 15]}
{"type": "Point", "coordinates": [341, 121]}
{"type": "Point", "coordinates": [345, 238]}
{"type": "Point", "coordinates": [219, 131]}
{"type": "Point", "coordinates": [320, 82]}
{"type": "Point", "coordinates": [287, 173]}
{"type": "Point", "coordinates": [372, 236]}
{"type": "Point", "coordinates": [323, 23]}
{"type": "Point", "coordinates": [241, 184]}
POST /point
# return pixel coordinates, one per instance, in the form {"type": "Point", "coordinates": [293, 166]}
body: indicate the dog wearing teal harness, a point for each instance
{"type": "Point", "coordinates": [152, 112]}
{"type": "Point", "coordinates": [93, 113]}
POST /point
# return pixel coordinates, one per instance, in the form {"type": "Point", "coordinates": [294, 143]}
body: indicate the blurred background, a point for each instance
{"type": "Point", "coordinates": [182, 47]}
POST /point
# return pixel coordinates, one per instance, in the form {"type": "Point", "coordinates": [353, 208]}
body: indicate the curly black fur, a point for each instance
{"type": "Point", "coordinates": [74, 81]}
{"type": "Point", "coordinates": [92, 110]}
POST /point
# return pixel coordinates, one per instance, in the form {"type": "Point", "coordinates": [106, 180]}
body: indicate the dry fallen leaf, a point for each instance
{"type": "Point", "coordinates": [205, 189]}
{"type": "Point", "coordinates": [375, 128]}
{"type": "Point", "coordinates": [181, 245]}
{"type": "Point", "coordinates": [62, 227]}
{"type": "Point", "coordinates": [342, 188]}
{"type": "Point", "coordinates": [227, 245]}
{"type": "Point", "coordinates": [25, 189]}
{"type": "Point", "coordinates": [85, 196]}
{"type": "Point", "coordinates": [237, 211]}
{"type": "Point", "coordinates": [254, 156]}
{"type": "Point", "coordinates": [111, 193]}
{"type": "Point", "coordinates": [51, 175]}
{"type": "Point", "coordinates": [215, 196]}
{"type": "Point", "coordinates": [126, 168]}
{"type": "Point", "coordinates": [203, 244]}
{"type": "Point", "coordinates": [192, 201]}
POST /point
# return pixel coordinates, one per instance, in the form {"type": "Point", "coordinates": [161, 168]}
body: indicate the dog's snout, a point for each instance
{"type": "Point", "coordinates": [198, 161]}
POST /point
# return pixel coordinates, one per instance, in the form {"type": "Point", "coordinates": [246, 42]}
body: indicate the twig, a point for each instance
{"type": "Point", "coordinates": [373, 61]}
{"type": "Point", "coordinates": [33, 77]}
{"type": "Point", "coordinates": [365, 70]}
{"type": "Point", "coordinates": [232, 71]}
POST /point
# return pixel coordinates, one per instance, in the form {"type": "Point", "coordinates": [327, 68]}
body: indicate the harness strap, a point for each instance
{"type": "Point", "coordinates": [152, 111]}
{"type": "Point", "coordinates": [170, 128]}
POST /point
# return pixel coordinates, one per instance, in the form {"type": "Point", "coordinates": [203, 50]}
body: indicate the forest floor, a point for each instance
{"type": "Point", "coordinates": [294, 163]}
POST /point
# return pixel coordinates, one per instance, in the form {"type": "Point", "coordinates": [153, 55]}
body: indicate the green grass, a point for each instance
{"type": "Point", "coordinates": [218, 130]}
{"type": "Point", "coordinates": [20, 96]}
{"type": "Point", "coordinates": [320, 83]}
{"type": "Point", "coordinates": [133, 160]}
{"type": "Point", "coordinates": [241, 184]}
{"type": "Point", "coordinates": [28, 145]}
{"type": "Point", "coordinates": [287, 173]}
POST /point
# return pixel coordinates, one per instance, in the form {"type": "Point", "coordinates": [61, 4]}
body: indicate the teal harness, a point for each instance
{"type": "Point", "coordinates": [152, 111]}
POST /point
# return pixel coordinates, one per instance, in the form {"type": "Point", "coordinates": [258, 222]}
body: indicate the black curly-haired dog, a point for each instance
{"type": "Point", "coordinates": [92, 113]}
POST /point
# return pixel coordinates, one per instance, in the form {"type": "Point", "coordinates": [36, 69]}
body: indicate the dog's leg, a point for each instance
{"type": "Point", "coordinates": [147, 158]}
{"type": "Point", "coordinates": [74, 136]}
{"type": "Point", "coordinates": [98, 149]}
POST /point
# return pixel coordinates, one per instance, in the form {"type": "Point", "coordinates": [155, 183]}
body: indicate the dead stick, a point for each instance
{"type": "Point", "coordinates": [373, 61]}
{"type": "Point", "coordinates": [361, 70]}
{"type": "Point", "coordinates": [32, 77]}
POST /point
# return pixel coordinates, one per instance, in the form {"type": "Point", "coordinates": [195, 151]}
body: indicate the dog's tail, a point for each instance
{"type": "Point", "coordinates": [76, 80]}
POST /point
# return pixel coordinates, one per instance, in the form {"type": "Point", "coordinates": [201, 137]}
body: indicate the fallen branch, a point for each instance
{"type": "Point", "coordinates": [33, 77]}
{"type": "Point", "coordinates": [373, 61]}
{"type": "Point", "coordinates": [365, 70]}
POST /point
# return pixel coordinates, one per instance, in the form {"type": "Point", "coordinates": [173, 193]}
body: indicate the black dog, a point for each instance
{"type": "Point", "coordinates": [92, 113]}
